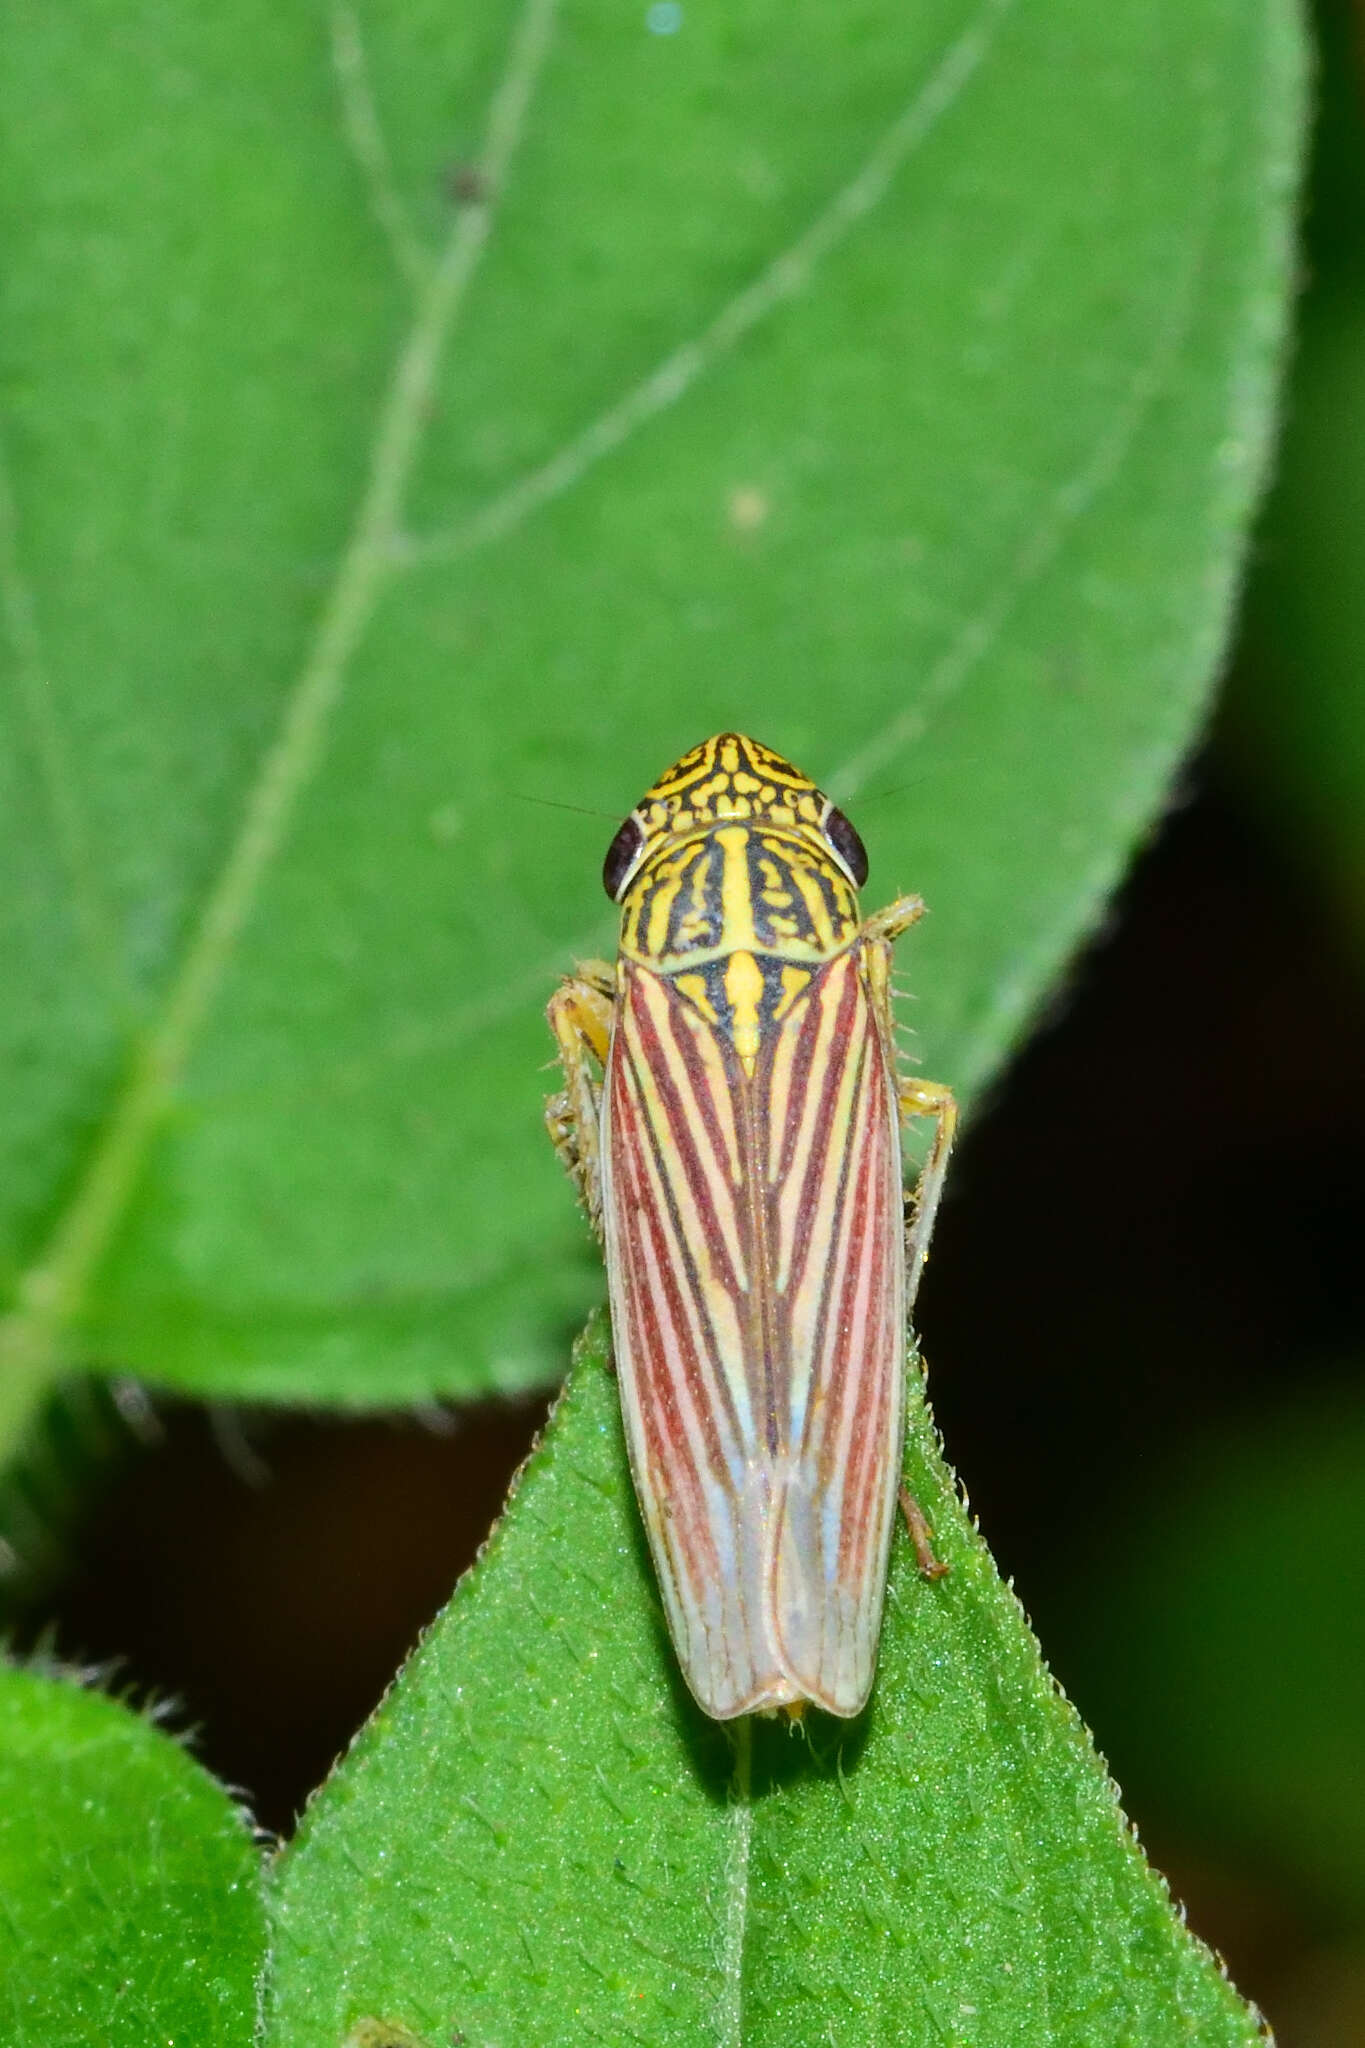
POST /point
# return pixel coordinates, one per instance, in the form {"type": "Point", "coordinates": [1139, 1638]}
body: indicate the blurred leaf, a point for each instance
{"type": "Point", "coordinates": [1224, 1664]}
{"type": "Point", "coordinates": [74, 1443]}
{"type": "Point", "coordinates": [536, 1838]}
{"type": "Point", "coordinates": [1298, 714]}
{"type": "Point", "coordinates": [1296, 723]}
{"type": "Point", "coordinates": [130, 1884]}
{"type": "Point", "coordinates": [894, 384]}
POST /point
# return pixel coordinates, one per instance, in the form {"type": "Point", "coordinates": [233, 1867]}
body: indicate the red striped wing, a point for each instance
{"type": "Point", "coordinates": [755, 1255]}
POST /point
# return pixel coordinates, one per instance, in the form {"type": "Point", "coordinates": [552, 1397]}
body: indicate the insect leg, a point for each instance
{"type": "Point", "coordinates": [926, 1098]}
{"type": "Point", "coordinates": [580, 1013]}
{"type": "Point", "coordinates": [886, 925]}
{"type": "Point", "coordinates": [917, 1098]}
{"type": "Point", "coordinates": [921, 1535]}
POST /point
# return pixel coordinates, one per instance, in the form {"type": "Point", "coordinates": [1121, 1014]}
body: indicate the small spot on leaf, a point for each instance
{"type": "Point", "coordinates": [747, 508]}
{"type": "Point", "coordinates": [467, 185]}
{"type": "Point", "coordinates": [446, 823]}
{"type": "Point", "coordinates": [372, 2033]}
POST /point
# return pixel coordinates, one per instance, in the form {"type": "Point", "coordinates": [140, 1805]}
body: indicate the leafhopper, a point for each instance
{"type": "Point", "coordinates": [731, 1118]}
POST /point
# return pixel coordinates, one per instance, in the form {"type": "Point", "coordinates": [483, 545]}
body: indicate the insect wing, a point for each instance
{"type": "Point", "coordinates": [682, 1267]}
{"type": "Point", "coordinates": [754, 1252]}
{"type": "Point", "coordinates": [835, 1229]}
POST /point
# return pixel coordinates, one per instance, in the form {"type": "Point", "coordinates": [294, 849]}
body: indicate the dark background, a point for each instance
{"type": "Point", "coordinates": [1144, 1318]}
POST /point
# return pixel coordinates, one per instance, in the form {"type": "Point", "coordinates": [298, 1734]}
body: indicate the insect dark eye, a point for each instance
{"type": "Point", "coordinates": [621, 856]}
{"type": "Point", "coordinates": [847, 845]}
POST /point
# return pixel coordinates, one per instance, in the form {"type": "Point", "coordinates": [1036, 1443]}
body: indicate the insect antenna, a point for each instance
{"type": "Point", "coordinates": [916, 782]}
{"type": "Point", "coordinates": [552, 803]}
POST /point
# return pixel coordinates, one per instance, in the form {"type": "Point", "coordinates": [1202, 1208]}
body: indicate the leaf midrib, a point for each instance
{"type": "Point", "coordinates": [52, 1292]}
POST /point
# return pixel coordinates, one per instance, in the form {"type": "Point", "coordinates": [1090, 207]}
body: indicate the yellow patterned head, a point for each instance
{"type": "Point", "coordinates": [734, 850]}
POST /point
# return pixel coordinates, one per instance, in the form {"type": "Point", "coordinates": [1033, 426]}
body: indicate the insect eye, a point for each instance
{"type": "Point", "coordinates": [621, 856]}
{"type": "Point", "coordinates": [847, 845]}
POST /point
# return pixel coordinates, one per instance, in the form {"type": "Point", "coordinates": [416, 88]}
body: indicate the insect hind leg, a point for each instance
{"type": "Point", "coordinates": [920, 1534]}
{"type": "Point", "coordinates": [926, 1098]}
{"type": "Point", "coordinates": [916, 1097]}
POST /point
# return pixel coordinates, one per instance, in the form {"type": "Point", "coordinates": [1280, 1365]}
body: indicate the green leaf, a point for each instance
{"type": "Point", "coordinates": [537, 1838]}
{"type": "Point", "coordinates": [130, 1884]}
{"type": "Point", "coordinates": [892, 383]}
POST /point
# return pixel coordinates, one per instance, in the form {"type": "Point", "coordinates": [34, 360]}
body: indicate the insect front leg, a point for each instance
{"type": "Point", "coordinates": [885, 926]}
{"type": "Point", "coordinates": [580, 1014]}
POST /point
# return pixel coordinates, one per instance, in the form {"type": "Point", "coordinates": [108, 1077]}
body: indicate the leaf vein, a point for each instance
{"type": "Point", "coordinates": [38, 708]}
{"type": "Point", "coordinates": [784, 278]}
{"type": "Point", "coordinates": [730, 2005]}
{"type": "Point", "coordinates": [364, 134]}
{"type": "Point", "coordinates": [52, 1293]}
{"type": "Point", "coordinates": [1049, 531]}
{"type": "Point", "coordinates": [1015, 986]}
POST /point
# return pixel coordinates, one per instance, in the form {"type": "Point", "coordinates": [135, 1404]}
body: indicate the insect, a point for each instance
{"type": "Point", "coordinates": [731, 1119]}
